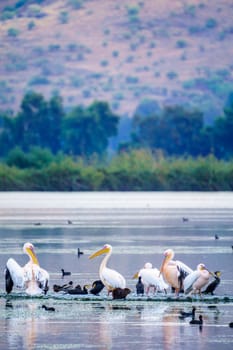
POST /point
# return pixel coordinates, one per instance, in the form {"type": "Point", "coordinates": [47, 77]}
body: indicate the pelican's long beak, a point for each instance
{"type": "Point", "coordinates": [32, 254]}
{"type": "Point", "coordinates": [103, 250]}
{"type": "Point", "coordinates": [135, 275]}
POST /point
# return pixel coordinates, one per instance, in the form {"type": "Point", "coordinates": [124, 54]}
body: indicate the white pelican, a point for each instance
{"type": "Point", "coordinates": [174, 271]}
{"type": "Point", "coordinates": [151, 278]}
{"type": "Point", "coordinates": [196, 280]}
{"type": "Point", "coordinates": [31, 277]}
{"type": "Point", "coordinates": [110, 278]}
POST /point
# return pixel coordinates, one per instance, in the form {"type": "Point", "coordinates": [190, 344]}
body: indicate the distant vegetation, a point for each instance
{"type": "Point", "coordinates": [43, 147]}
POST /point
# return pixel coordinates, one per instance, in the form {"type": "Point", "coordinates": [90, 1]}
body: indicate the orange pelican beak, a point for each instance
{"type": "Point", "coordinates": [103, 250]}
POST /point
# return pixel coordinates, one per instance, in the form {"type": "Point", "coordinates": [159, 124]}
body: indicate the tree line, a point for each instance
{"type": "Point", "coordinates": [45, 148]}
{"type": "Point", "coordinates": [87, 131]}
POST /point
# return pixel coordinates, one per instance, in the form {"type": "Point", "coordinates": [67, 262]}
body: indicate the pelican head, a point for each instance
{"type": "Point", "coordinates": [148, 265]}
{"type": "Point", "coordinates": [201, 267]}
{"type": "Point", "coordinates": [29, 249]}
{"type": "Point", "coordinates": [168, 255]}
{"type": "Point", "coordinates": [107, 248]}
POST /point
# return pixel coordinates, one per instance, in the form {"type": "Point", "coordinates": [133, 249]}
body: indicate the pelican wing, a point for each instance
{"type": "Point", "coordinates": [183, 267]}
{"type": "Point", "coordinates": [112, 278]}
{"type": "Point", "coordinates": [14, 275]}
{"type": "Point", "coordinates": [189, 281]}
{"type": "Point", "coordinates": [151, 277]}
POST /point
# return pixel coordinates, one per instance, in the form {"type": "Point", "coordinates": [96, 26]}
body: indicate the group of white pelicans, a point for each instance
{"type": "Point", "coordinates": [173, 274]}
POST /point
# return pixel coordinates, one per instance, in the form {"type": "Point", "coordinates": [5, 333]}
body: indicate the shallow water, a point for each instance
{"type": "Point", "coordinates": [139, 226]}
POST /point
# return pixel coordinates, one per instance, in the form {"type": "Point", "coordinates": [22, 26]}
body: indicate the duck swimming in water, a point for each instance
{"type": "Point", "coordinates": [184, 314]}
{"type": "Point", "coordinates": [48, 308]}
{"type": "Point", "coordinates": [65, 273]}
{"type": "Point", "coordinates": [200, 321]}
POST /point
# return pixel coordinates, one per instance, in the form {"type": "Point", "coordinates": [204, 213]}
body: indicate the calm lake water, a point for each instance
{"type": "Point", "coordinates": [139, 226]}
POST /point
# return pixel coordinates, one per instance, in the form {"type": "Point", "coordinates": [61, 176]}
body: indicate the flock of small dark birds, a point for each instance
{"type": "Point", "coordinates": [68, 288]}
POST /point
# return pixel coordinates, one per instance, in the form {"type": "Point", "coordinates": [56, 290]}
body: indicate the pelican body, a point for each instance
{"type": "Point", "coordinates": [174, 271]}
{"type": "Point", "coordinates": [196, 280]}
{"type": "Point", "coordinates": [31, 277]}
{"type": "Point", "coordinates": [151, 278]}
{"type": "Point", "coordinates": [213, 285]}
{"type": "Point", "coordinates": [110, 278]}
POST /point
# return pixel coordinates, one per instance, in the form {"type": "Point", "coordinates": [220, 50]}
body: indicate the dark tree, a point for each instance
{"type": "Point", "coordinates": [87, 131]}
{"type": "Point", "coordinates": [223, 133]}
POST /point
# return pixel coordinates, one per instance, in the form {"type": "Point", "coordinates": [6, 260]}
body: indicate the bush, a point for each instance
{"type": "Point", "coordinates": [13, 32]}
{"type": "Point", "coordinates": [39, 80]}
{"type": "Point", "coordinates": [180, 44]}
{"type": "Point", "coordinates": [211, 23]}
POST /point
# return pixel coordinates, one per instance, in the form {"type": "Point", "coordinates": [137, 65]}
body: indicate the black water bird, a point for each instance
{"type": "Point", "coordinates": [64, 287]}
{"type": "Point", "coordinates": [65, 273]}
{"type": "Point", "coordinates": [185, 219]}
{"type": "Point", "coordinates": [69, 222]}
{"type": "Point", "coordinates": [67, 286]}
{"type": "Point", "coordinates": [79, 252]}
{"type": "Point", "coordinates": [140, 286]}
{"type": "Point", "coordinates": [213, 285]}
{"type": "Point", "coordinates": [200, 321]}
{"type": "Point", "coordinates": [8, 304]}
{"type": "Point", "coordinates": [97, 287]}
{"type": "Point", "coordinates": [120, 293]}
{"type": "Point", "coordinates": [78, 290]}
{"type": "Point", "coordinates": [188, 314]}
{"type": "Point", "coordinates": [47, 308]}
{"type": "Point", "coordinates": [216, 236]}
{"type": "Point", "coordinates": [231, 324]}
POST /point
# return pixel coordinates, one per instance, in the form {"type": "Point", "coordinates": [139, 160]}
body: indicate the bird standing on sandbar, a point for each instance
{"type": "Point", "coordinates": [174, 271]}
{"type": "Point", "coordinates": [140, 286]}
{"type": "Point", "coordinates": [120, 293]}
{"type": "Point", "coordinates": [97, 287]}
{"type": "Point", "coordinates": [213, 285]}
{"type": "Point", "coordinates": [30, 277]}
{"type": "Point", "coordinates": [196, 280]}
{"type": "Point", "coordinates": [110, 278]}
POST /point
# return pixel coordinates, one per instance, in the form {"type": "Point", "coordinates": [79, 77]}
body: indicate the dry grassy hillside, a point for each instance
{"type": "Point", "coordinates": [171, 51]}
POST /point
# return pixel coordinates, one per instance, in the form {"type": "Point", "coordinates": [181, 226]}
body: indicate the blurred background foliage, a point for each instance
{"type": "Point", "coordinates": [44, 147]}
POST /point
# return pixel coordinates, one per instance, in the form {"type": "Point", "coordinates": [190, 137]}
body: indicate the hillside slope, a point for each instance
{"type": "Point", "coordinates": [174, 52]}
